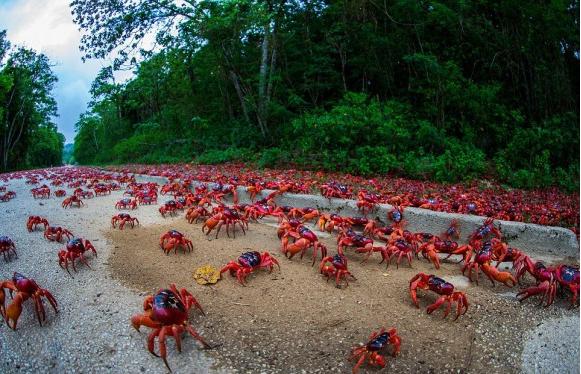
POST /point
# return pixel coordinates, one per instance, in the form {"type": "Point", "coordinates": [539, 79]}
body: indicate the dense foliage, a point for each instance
{"type": "Point", "coordinates": [448, 90]}
{"type": "Point", "coordinates": [28, 137]}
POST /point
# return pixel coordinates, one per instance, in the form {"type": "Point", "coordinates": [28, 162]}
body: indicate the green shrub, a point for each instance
{"type": "Point", "coordinates": [417, 165]}
{"type": "Point", "coordinates": [273, 157]}
{"type": "Point", "coordinates": [532, 156]}
{"type": "Point", "coordinates": [372, 160]}
{"type": "Point", "coordinates": [217, 156]}
{"type": "Point", "coordinates": [460, 162]}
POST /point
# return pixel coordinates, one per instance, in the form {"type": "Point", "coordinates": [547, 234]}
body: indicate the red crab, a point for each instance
{"type": "Point", "coordinates": [306, 214]}
{"type": "Point", "coordinates": [196, 213]}
{"type": "Point", "coordinates": [335, 189]}
{"type": "Point", "coordinates": [254, 189]}
{"type": "Point", "coordinates": [433, 247]}
{"type": "Point", "coordinates": [173, 240]}
{"type": "Point", "coordinates": [25, 289]}
{"type": "Point", "coordinates": [166, 313]}
{"type": "Point", "coordinates": [71, 201]}
{"type": "Point", "coordinates": [503, 253]}
{"type": "Point", "coordinates": [86, 194]}
{"type": "Point", "coordinates": [60, 193]}
{"type": "Point", "coordinates": [220, 190]}
{"type": "Point", "coordinates": [304, 239]}
{"type": "Point", "coordinates": [568, 277]}
{"type": "Point", "coordinates": [366, 201]}
{"type": "Point", "coordinates": [399, 248]}
{"type": "Point", "coordinates": [7, 247]}
{"type": "Point", "coordinates": [5, 197]}
{"type": "Point", "coordinates": [102, 189]}
{"type": "Point", "coordinates": [383, 233]}
{"type": "Point", "coordinates": [286, 226]}
{"type": "Point", "coordinates": [123, 218]}
{"type": "Point", "coordinates": [396, 216]}
{"type": "Point", "coordinates": [327, 222]}
{"type": "Point", "coordinates": [337, 268]}
{"type": "Point", "coordinates": [378, 340]}
{"type": "Point", "coordinates": [34, 221]}
{"type": "Point", "coordinates": [228, 216]}
{"type": "Point", "coordinates": [452, 232]}
{"type": "Point", "coordinates": [42, 192]}
{"type": "Point", "coordinates": [361, 243]}
{"type": "Point", "coordinates": [56, 234]}
{"type": "Point", "coordinates": [257, 211]}
{"type": "Point", "coordinates": [74, 249]}
{"type": "Point", "coordinates": [485, 231]}
{"type": "Point", "coordinates": [548, 279]}
{"type": "Point", "coordinates": [126, 203]}
{"type": "Point", "coordinates": [147, 199]}
{"type": "Point", "coordinates": [441, 287]}
{"type": "Point", "coordinates": [170, 207]}
{"type": "Point", "coordinates": [247, 263]}
{"type": "Point", "coordinates": [483, 259]}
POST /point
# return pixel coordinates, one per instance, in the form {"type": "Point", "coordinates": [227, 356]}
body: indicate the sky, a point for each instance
{"type": "Point", "coordinates": [47, 26]}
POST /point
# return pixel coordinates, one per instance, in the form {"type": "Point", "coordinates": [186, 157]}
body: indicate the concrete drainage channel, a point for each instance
{"type": "Point", "coordinates": [549, 243]}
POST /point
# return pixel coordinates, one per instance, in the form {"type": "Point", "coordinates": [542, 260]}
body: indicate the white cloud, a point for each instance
{"type": "Point", "coordinates": [47, 26]}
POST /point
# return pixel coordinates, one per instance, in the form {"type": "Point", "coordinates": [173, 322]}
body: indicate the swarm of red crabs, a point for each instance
{"type": "Point", "coordinates": [546, 207]}
{"type": "Point", "coordinates": [357, 238]}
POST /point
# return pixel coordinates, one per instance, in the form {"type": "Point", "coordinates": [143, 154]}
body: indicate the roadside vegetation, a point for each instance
{"type": "Point", "coordinates": [441, 90]}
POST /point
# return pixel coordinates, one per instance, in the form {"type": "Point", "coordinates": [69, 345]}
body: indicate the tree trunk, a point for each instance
{"type": "Point", "coordinates": [236, 83]}
{"type": "Point", "coordinates": [271, 73]}
{"type": "Point", "coordinates": [261, 110]}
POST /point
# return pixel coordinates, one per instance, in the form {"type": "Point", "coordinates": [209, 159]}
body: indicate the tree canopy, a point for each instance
{"type": "Point", "coordinates": [450, 90]}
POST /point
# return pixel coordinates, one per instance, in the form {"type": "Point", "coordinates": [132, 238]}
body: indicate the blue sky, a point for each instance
{"type": "Point", "coordinates": [47, 26]}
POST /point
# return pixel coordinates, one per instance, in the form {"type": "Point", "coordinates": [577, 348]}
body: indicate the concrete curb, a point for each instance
{"type": "Point", "coordinates": [531, 238]}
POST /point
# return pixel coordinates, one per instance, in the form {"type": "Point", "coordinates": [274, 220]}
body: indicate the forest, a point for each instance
{"type": "Point", "coordinates": [443, 90]}
{"type": "Point", "coordinates": [28, 136]}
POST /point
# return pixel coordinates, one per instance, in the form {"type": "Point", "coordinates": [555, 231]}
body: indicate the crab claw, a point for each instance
{"type": "Point", "coordinates": [14, 310]}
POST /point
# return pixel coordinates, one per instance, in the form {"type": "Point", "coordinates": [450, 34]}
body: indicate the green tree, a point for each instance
{"type": "Point", "coordinates": [443, 89]}
{"type": "Point", "coordinates": [26, 105]}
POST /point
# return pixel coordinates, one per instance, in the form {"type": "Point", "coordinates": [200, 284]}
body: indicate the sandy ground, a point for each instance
{"type": "Point", "coordinates": [290, 321]}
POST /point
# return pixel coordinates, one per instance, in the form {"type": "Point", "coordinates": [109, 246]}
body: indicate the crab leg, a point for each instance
{"type": "Point", "coordinates": [151, 341]}
{"type": "Point", "coordinates": [176, 332]}
{"type": "Point", "coordinates": [197, 336]}
{"type": "Point", "coordinates": [39, 309]}
{"type": "Point", "coordinates": [84, 260]}
{"type": "Point", "coordinates": [162, 346]}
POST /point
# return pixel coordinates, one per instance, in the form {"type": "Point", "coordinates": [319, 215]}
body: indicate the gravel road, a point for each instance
{"type": "Point", "coordinates": [91, 333]}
